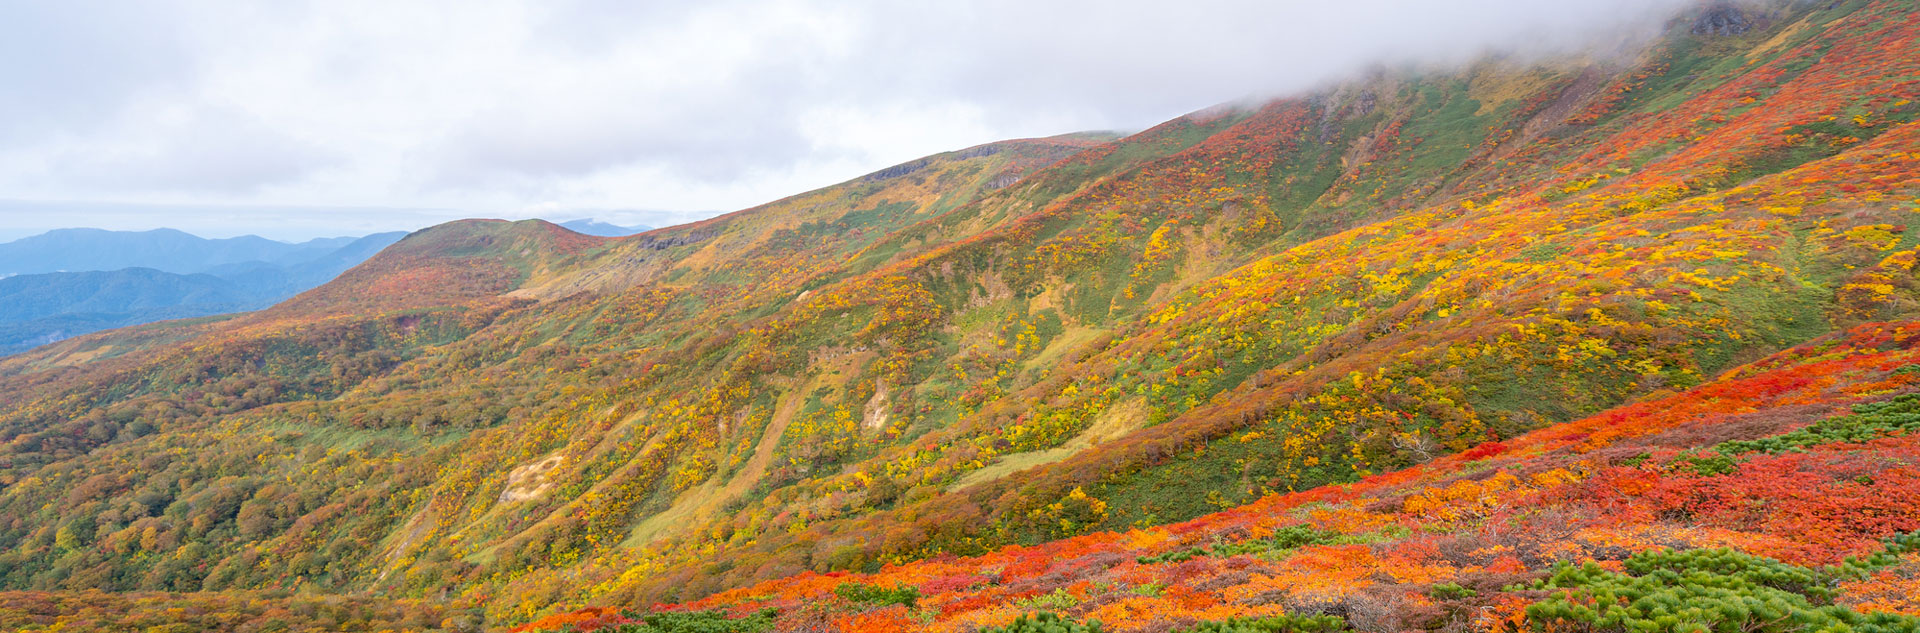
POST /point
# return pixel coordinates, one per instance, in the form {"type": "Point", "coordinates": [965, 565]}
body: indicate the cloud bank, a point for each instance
{"type": "Point", "coordinates": [518, 108]}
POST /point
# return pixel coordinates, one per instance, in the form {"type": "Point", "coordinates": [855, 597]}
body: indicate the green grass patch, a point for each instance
{"type": "Point", "coordinates": [1897, 416]}
{"type": "Point", "coordinates": [1282, 544]}
{"type": "Point", "coordinates": [862, 593]}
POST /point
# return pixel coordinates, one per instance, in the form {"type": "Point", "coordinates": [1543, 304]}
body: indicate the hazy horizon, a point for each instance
{"type": "Point", "coordinates": [302, 223]}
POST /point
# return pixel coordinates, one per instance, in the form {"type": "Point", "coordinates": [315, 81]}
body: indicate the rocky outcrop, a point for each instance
{"type": "Point", "coordinates": [897, 171]}
{"type": "Point", "coordinates": [977, 152]}
{"type": "Point", "coordinates": [1722, 19]}
{"type": "Point", "coordinates": [664, 243]}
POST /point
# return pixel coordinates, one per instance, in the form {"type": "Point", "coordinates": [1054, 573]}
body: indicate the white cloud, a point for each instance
{"type": "Point", "coordinates": [492, 108]}
{"type": "Point", "coordinates": [175, 150]}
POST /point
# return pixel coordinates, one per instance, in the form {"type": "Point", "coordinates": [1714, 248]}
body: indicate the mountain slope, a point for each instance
{"type": "Point", "coordinates": [1469, 321]}
{"type": "Point", "coordinates": [48, 307]}
{"type": "Point", "coordinates": [132, 289]}
{"type": "Point", "coordinates": [1805, 457]}
{"type": "Point", "coordinates": [1005, 345]}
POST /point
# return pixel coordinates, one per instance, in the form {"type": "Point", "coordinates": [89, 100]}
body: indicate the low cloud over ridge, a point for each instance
{"type": "Point", "coordinates": [508, 108]}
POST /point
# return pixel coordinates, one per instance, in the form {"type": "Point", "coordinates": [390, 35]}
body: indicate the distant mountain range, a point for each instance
{"type": "Point", "coordinates": [590, 226]}
{"type": "Point", "coordinates": [73, 281]}
{"type": "Point", "coordinates": [68, 282]}
{"type": "Point", "coordinates": [165, 250]}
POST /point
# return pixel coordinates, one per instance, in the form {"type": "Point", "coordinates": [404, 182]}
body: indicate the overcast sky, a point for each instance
{"type": "Point", "coordinates": [294, 119]}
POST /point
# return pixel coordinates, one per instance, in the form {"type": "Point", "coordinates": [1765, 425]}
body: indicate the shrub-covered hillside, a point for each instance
{"type": "Point", "coordinates": [1783, 496]}
{"type": "Point", "coordinates": [1085, 344]}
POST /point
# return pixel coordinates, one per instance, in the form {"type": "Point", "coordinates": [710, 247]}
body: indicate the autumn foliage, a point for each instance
{"type": "Point", "coordinates": [1389, 353]}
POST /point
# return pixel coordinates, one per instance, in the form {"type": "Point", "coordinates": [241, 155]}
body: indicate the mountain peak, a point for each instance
{"type": "Point", "coordinates": [448, 262]}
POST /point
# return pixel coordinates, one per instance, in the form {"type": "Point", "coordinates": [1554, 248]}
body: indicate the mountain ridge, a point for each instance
{"type": "Point", "coordinates": [169, 250]}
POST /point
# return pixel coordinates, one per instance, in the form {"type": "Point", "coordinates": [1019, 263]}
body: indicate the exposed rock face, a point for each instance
{"type": "Point", "coordinates": [976, 152]}
{"type": "Point", "coordinates": [664, 243]}
{"type": "Point", "coordinates": [1003, 180]}
{"type": "Point", "coordinates": [529, 481]}
{"type": "Point", "coordinates": [897, 171]}
{"type": "Point", "coordinates": [909, 167]}
{"type": "Point", "coordinates": [877, 408]}
{"type": "Point", "coordinates": [1722, 19]}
